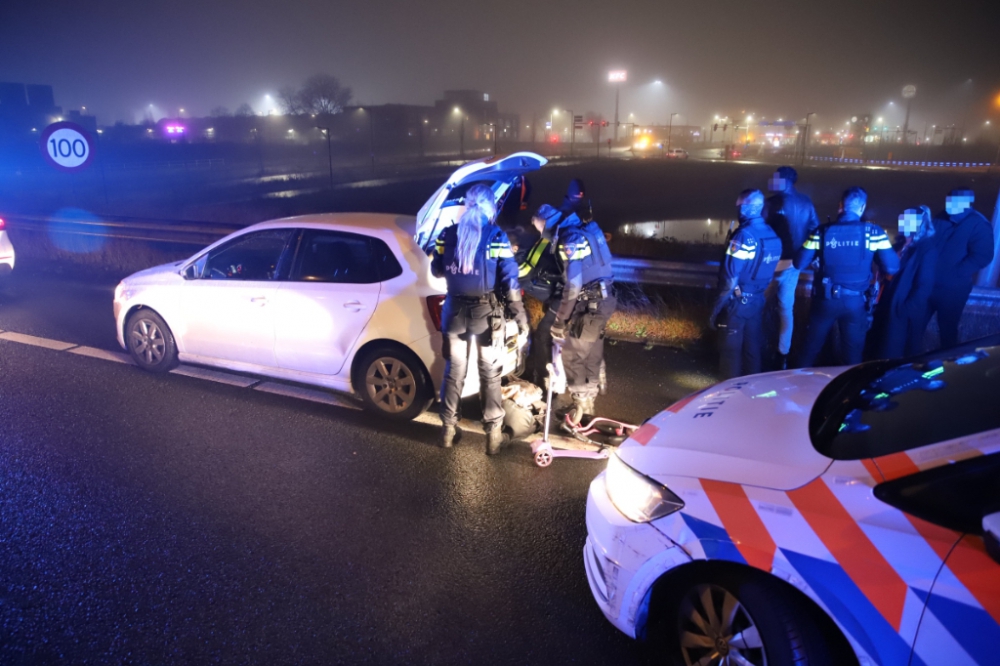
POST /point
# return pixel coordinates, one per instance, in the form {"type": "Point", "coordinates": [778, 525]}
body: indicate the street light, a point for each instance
{"type": "Point", "coordinates": [371, 134]}
{"type": "Point", "coordinates": [329, 151]}
{"type": "Point", "coordinates": [670, 129]}
{"type": "Point", "coordinates": [461, 134]}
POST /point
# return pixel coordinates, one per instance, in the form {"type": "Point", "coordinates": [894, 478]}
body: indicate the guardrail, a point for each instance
{"type": "Point", "coordinates": [912, 163]}
{"type": "Point", "coordinates": [706, 274]}
{"type": "Point", "coordinates": [657, 272]}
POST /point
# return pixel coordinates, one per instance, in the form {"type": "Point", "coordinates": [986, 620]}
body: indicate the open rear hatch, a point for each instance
{"type": "Point", "coordinates": [501, 173]}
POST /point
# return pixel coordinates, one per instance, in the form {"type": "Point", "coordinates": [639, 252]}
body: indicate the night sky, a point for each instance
{"type": "Point", "coordinates": [774, 59]}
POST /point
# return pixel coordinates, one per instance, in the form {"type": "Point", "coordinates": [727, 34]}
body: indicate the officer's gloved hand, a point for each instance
{"type": "Point", "coordinates": [559, 333]}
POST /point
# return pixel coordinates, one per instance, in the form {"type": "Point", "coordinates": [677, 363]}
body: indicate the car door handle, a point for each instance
{"type": "Point", "coordinates": [356, 306]}
{"type": "Point", "coordinates": [259, 300]}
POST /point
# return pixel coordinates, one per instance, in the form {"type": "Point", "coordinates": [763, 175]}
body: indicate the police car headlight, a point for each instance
{"type": "Point", "coordinates": [121, 292]}
{"type": "Point", "coordinates": [638, 497]}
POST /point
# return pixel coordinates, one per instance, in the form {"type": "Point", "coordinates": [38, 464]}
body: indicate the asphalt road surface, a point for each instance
{"type": "Point", "coordinates": [175, 520]}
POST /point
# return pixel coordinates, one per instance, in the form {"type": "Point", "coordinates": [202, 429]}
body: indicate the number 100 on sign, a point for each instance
{"type": "Point", "coordinates": [67, 146]}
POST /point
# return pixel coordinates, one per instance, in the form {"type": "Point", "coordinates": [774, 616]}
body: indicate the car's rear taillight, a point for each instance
{"type": "Point", "coordinates": [3, 225]}
{"type": "Point", "coordinates": [435, 304]}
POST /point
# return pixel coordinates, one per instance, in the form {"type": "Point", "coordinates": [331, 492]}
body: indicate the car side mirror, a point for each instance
{"type": "Point", "coordinates": [190, 273]}
{"type": "Point", "coordinates": [991, 535]}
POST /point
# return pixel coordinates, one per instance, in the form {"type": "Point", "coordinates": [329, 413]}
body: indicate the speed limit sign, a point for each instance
{"type": "Point", "coordinates": [67, 146]}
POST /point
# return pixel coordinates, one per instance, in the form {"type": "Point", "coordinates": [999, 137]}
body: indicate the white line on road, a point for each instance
{"type": "Point", "coordinates": [214, 376]}
{"type": "Point", "coordinates": [37, 342]}
{"type": "Point", "coordinates": [103, 354]}
{"type": "Point", "coordinates": [303, 393]}
{"type": "Point", "coordinates": [287, 390]}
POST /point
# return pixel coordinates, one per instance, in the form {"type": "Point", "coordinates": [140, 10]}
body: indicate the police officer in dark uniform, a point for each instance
{"type": "Point", "coordinates": [586, 303]}
{"type": "Point", "coordinates": [752, 255]}
{"type": "Point", "coordinates": [845, 249]}
{"type": "Point", "coordinates": [475, 258]}
{"type": "Point", "coordinates": [541, 278]}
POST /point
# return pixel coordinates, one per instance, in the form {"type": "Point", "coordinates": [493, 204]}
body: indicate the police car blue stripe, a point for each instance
{"type": "Point", "coordinates": [849, 605]}
{"type": "Point", "coordinates": [714, 540]}
{"type": "Point", "coordinates": [973, 628]}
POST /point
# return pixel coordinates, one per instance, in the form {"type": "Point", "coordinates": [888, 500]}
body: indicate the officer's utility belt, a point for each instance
{"type": "Point", "coordinates": [743, 296]}
{"type": "Point", "coordinates": [597, 290]}
{"type": "Point", "coordinates": [830, 290]}
{"type": "Point", "coordinates": [485, 299]}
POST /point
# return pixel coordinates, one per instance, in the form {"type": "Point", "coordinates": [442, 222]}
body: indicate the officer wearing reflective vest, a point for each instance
{"type": "Point", "coordinates": [585, 305]}
{"type": "Point", "coordinates": [845, 249]}
{"type": "Point", "coordinates": [476, 260]}
{"type": "Point", "coordinates": [747, 269]}
{"type": "Point", "coordinates": [541, 278]}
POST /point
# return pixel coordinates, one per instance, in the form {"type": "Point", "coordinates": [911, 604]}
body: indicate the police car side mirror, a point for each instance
{"type": "Point", "coordinates": [991, 535]}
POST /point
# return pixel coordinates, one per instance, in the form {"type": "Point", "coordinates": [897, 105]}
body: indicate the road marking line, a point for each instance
{"type": "Point", "coordinates": [214, 376]}
{"type": "Point", "coordinates": [303, 393]}
{"type": "Point", "coordinates": [37, 342]}
{"type": "Point", "coordinates": [300, 392]}
{"type": "Point", "coordinates": [102, 354]}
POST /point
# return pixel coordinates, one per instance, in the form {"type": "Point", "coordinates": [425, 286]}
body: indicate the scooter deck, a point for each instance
{"type": "Point", "coordinates": [560, 442]}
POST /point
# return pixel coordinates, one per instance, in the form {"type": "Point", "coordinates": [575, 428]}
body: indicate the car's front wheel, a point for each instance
{"type": "Point", "coordinates": [728, 616]}
{"type": "Point", "coordinates": [150, 342]}
{"type": "Point", "coordinates": [392, 382]}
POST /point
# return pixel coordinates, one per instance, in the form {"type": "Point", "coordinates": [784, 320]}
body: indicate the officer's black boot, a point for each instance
{"type": "Point", "coordinates": [494, 439]}
{"type": "Point", "coordinates": [450, 435]}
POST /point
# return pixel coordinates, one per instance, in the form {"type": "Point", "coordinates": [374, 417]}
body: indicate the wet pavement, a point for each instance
{"type": "Point", "coordinates": [166, 519]}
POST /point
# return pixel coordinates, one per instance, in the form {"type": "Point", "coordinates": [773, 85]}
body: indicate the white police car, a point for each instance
{"type": "Point", "coordinates": [821, 516]}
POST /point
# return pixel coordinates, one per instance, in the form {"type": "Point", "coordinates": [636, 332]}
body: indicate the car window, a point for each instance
{"type": "Point", "coordinates": [334, 256]}
{"type": "Point", "coordinates": [880, 408]}
{"type": "Point", "coordinates": [254, 256]}
{"type": "Point", "coordinates": [955, 496]}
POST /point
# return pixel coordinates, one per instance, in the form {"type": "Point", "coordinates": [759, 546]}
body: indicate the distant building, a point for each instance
{"type": "Point", "coordinates": [27, 109]}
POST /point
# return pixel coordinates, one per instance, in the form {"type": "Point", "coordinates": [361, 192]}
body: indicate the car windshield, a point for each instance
{"type": "Point", "coordinates": [885, 407]}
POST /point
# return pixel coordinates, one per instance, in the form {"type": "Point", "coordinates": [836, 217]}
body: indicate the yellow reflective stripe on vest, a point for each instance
{"type": "Point", "coordinates": [575, 252]}
{"type": "Point", "coordinates": [878, 242]}
{"type": "Point", "coordinates": [533, 256]}
{"type": "Point", "coordinates": [500, 251]}
{"type": "Point", "coordinates": [439, 246]}
{"type": "Point", "coordinates": [739, 250]}
{"type": "Point", "coordinates": [812, 243]}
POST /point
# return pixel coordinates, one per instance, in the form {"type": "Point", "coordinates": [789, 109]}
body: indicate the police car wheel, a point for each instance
{"type": "Point", "coordinates": [150, 342]}
{"type": "Point", "coordinates": [736, 615]}
{"type": "Point", "coordinates": [392, 382]}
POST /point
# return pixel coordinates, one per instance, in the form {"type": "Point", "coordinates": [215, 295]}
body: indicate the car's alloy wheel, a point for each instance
{"type": "Point", "coordinates": [150, 342]}
{"type": "Point", "coordinates": [147, 341]}
{"type": "Point", "coordinates": [391, 384]}
{"type": "Point", "coordinates": [714, 629]}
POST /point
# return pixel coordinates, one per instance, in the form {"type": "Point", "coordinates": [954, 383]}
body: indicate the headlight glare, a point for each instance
{"type": "Point", "coordinates": [638, 497]}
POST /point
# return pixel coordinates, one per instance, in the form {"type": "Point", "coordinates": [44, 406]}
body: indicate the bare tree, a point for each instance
{"type": "Point", "coordinates": [290, 100]}
{"type": "Point", "coordinates": [244, 110]}
{"type": "Point", "coordinates": [322, 94]}
{"type": "Point", "coordinates": [219, 112]}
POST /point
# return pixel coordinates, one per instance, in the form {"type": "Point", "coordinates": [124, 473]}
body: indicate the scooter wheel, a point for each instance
{"type": "Point", "coordinates": [543, 458]}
